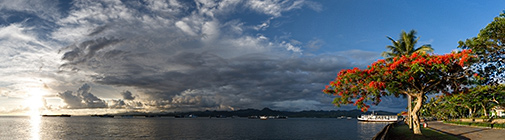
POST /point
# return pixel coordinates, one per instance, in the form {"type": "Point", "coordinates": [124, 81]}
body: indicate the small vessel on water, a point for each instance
{"type": "Point", "coordinates": [282, 117]}
{"type": "Point", "coordinates": [62, 115]}
{"type": "Point", "coordinates": [378, 118]}
{"type": "Point", "coordinates": [263, 117]}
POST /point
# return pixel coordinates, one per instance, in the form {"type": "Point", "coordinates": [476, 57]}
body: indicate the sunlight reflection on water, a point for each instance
{"type": "Point", "coordinates": [35, 127]}
{"type": "Point", "coordinates": [49, 128]}
{"type": "Point", "coordinates": [370, 128]}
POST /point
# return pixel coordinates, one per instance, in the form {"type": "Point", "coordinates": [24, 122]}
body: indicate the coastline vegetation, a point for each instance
{"type": "Point", "coordinates": [256, 112]}
{"type": "Point", "coordinates": [487, 94]}
{"type": "Point", "coordinates": [469, 83]}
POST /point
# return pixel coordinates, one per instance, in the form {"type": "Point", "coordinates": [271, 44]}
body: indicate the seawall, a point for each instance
{"type": "Point", "coordinates": [383, 134]}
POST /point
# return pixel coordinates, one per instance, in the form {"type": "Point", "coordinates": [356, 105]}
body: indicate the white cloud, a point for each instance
{"type": "Point", "coordinates": [423, 42]}
{"type": "Point", "coordinates": [315, 44]}
{"type": "Point", "coordinates": [263, 26]}
{"type": "Point", "coordinates": [210, 30]}
{"type": "Point", "coordinates": [45, 9]}
{"type": "Point", "coordinates": [165, 7]}
{"type": "Point", "coordinates": [24, 59]}
{"type": "Point", "coordinates": [14, 111]}
{"type": "Point", "coordinates": [185, 27]}
{"type": "Point", "coordinates": [176, 55]}
{"type": "Point", "coordinates": [291, 47]}
{"type": "Point", "coordinates": [274, 7]}
{"type": "Point", "coordinates": [267, 7]}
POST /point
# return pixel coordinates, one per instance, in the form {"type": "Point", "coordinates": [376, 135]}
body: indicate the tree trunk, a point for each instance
{"type": "Point", "coordinates": [474, 111]}
{"type": "Point", "coordinates": [409, 113]}
{"type": "Point", "coordinates": [415, 117]}
{"type": "Point", "coordinates": [470, 113]}
{"type": "Point", "coordinates": [485, 110]}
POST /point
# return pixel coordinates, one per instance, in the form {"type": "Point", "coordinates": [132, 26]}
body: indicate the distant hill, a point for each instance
{"type": "Point", "coordinates": [265, 111]}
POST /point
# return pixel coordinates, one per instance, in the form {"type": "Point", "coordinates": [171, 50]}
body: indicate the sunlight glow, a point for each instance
{"type": "Point", "coordinates": [36, 104]}
{"type": "Point", "coordinates": [35, 101]}
{"type": "Point", "coordinates": [35, 127]}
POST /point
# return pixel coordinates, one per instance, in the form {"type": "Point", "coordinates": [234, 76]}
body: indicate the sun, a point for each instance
{"type": "Point", "coordinates": [35, 101]}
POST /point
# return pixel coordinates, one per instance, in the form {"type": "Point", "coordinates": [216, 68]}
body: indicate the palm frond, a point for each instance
{"type": "Point", "coordinates": [386, 54]}
{"type": "Point", "coordinates": [425, 48]}
{"type": "Point", "coordinates": [405, 45]}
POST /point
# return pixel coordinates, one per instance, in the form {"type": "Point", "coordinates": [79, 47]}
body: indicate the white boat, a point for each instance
{"type": "Point", "coordinates": [378, 118]}
{"type": "Point", "coordinates": [263, 117]}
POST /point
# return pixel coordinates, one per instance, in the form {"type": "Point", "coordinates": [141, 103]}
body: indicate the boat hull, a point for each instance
{"type": "Point", "coordinates": [378, 118]}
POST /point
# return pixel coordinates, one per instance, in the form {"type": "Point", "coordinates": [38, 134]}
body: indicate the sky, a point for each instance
{"type": "Point", "coordinates": [96, 57]}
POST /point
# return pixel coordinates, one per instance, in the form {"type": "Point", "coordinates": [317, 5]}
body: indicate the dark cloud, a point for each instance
{"type": "Point", "coordinates": [88, 49]}
{"type": "Point", "coordinates": [127, 95]}
{"type": "Point", "coordinates": [98, 30]}
{"type": "Point", "coordinates": [256, 81]}
{"type": "Point", "coordinates": [84, 53]}
{"type": "Point", "coordinates": [116, 104]}
{"type": "Point", "coordinates": [198, 58]}
{"type": "Point", "coordinates": [82, 99]}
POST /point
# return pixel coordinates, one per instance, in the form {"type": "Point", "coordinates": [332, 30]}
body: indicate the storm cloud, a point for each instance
{"type": "Point", "coordinates": [83, 98]}
{"type": "Point", "coordinates": [202, 59]}
{"type": "Point", "coordinates": [127, 95]}
{"type": "Point", "coordinates": [181, 55]}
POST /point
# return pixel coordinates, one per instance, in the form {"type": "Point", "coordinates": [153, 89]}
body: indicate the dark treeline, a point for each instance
{"type": "Point", "coordinates": [265, 111]}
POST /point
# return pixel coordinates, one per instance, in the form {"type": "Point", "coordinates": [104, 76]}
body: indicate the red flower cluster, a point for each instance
{"type": "Point", "coordinates": [377, 85]}
{"type": "Point", "coordinates": [359, 100]}
{"type": "Point", "coordinates": [371, 82]}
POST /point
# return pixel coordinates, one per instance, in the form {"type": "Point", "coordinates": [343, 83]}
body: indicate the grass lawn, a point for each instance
{"type": "Point", "coordinates": [402, 132]}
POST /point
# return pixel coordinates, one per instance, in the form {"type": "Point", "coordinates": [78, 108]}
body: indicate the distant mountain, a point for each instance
{"type": "Point", "coordinates": [264, 111]}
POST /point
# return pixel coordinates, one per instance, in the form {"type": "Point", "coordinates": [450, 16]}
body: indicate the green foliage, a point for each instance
{"type": "Point", "coordinates": [402, 132]}
{"type": "Point", "coordinates": [483, 124]}
{"type": "Point", "coordinates": [478, 124]}
{"type": "Point", "coordinates": [464, 123]}
{"type": "Point", "coordinates": [489, 45]}
{"type": "Point", "coordinates": [475, 102]}
{"type": "Point", "coordinates": [499, 125]}
{"type": "Point", "coordinates": [405, 72]}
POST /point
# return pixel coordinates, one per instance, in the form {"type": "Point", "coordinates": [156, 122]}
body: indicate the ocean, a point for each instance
{"type": "Point", "coordinates": [86, 128]}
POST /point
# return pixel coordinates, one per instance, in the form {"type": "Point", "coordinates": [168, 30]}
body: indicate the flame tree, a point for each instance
{"type": "Point", "coordinates": [416, 75]}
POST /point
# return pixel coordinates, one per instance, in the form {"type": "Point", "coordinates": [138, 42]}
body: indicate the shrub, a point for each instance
{"type": "Point", "coordinates": [482, 124]}
{"type": "Point", "coordinates": [479, 124]}
{"type": "Point", "coordinates": [499, 125]}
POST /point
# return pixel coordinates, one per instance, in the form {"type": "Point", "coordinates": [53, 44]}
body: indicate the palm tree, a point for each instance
{"type": "Point", "coordinates": [405, 45]}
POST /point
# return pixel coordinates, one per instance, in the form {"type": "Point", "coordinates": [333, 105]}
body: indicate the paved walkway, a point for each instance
{"type": "Point", "coordinates": [467, 132]}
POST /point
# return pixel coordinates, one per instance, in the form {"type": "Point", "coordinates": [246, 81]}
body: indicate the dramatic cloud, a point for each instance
{"type": "Point", "coordinates": [177, 55]}
{"type": "Point", "coordinates": [82, 99]}
{"type": "Point", "coordinates": [127, 95]}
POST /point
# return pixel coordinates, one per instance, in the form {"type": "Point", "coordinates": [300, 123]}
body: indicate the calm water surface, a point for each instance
{"type": "Point", "coordinates": [184, 128]}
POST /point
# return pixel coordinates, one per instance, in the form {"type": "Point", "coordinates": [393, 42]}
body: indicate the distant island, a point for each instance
{"type": "Point", "coordinates": [254, 112]}
{"type": "Point", "coordinates": [62, 115]}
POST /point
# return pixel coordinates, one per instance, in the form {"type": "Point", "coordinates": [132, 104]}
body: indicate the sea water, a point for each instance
{"type": "Point", "coordinates": [73, 128]}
